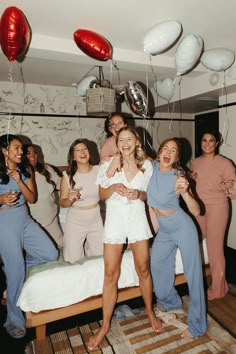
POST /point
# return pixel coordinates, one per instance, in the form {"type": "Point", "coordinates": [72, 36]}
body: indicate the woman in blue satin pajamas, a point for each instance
{"type": "Point", "coordinates": [176, 229]}
{"type": "Point", "coordinates": [19, 232]}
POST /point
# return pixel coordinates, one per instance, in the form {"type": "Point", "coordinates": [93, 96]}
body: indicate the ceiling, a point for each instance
{"type": "Point", "coordinates": [53, 57]}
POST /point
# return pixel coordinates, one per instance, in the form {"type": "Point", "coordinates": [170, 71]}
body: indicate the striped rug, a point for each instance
{"type": "Point", "coordinates": [134, 335]}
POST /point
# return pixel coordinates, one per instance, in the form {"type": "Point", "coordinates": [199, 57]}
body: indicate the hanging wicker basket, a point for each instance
{"type": "Point", "coordinates": [100, 101]}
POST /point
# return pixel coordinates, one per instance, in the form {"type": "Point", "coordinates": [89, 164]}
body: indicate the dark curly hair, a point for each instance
{"type": "Point", "coordinates": [107, 122]}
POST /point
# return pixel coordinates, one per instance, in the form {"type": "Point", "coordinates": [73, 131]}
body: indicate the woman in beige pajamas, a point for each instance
{"type": "Point", "coordinates": [78, 192]}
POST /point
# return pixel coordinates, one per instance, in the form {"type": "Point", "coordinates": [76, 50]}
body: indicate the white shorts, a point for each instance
{"type": "Point", "coordinates": [126, 222]}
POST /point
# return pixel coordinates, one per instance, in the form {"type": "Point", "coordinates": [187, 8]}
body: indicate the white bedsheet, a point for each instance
{"type": "Point", "coordinates": [59, 284]}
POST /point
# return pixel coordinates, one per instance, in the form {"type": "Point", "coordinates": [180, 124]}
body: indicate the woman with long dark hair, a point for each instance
{"type": "Point", "coordinates": [45, 210]}
{"type": "Point", "coordinates": [19, 232]}
{"type": "Point", "coordinates": [215, 183]}
{"type": "Point", "coordinates": [79, 193]}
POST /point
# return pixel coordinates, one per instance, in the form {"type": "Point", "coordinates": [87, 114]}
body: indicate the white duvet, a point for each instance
{"type": "Point", "coordinates": [59, 284]}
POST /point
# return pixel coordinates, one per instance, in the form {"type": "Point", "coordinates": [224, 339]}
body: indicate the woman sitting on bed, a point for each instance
{"type": "Point", "coordinates": [125, 222]}
{"type": "Point", "coordinates": [78, 192]}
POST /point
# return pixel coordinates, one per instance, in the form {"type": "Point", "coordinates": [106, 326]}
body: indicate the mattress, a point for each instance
{"type": "Point", "coordinates": [59, 284]}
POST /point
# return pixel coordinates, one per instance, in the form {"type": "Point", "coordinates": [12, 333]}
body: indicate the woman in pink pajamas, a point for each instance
{"type": "Point", "coordinates": [215, 177]}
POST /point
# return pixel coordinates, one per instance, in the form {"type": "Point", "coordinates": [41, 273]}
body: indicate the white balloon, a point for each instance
{"type": "Point", "coordinates": [162, 36]}
{"type": "Point", "coordinates": [83, 85]}
{"type": "Point", "coordinates": [188, 53]}
{"type": "Point", "coordinates": [165, 88]}
{"type": "Point", "coordinates": [218, 59]}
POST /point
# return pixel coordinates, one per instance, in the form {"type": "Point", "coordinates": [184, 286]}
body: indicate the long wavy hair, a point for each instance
{"type": "Point", "coordinates": [139, 153]}
{"type": "Point", "coordinates": [72, 165]}
{"type": "Point", "coordinates": [24, 167]}
{"type": "Point", "coordinates": [40, 167]}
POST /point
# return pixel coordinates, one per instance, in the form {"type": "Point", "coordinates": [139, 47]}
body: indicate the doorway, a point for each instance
{"type": "Point", "coordinates": [204, 122]}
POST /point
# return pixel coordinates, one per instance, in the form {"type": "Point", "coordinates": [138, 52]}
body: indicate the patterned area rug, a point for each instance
{"type": "Point", "coordinates": [134, 335]}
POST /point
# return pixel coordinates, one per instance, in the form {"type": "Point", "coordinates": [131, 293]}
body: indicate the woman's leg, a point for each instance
{"type": "Point", "coordinates": [11, 246]}
{"type": "Point", "coordinates": [112, 262]}
{"type": "Point", "coordinates": [163, 268]}
{"type": "Point", "coordinates": [186, 238]}
{"type": "Point", "coordinates": [140, 251]}
{"type": "Point", "coordinates": [74, 237]}
{"type": "Point", "coordinates": [217, 217]}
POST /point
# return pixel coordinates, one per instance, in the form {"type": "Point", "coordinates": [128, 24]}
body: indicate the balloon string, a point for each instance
{"type": "Point", "coordinates": [154, 74]}
{"type": "Point", "coordinates": [10, 113]}
{"type": "Point", "coordinates": [226, 120]}
{"type": "Point", "coordinates": [23, 81]}
{"type": "Point", "coordinates": [118, 70]}
{"type": "Point", "coordinates": [147, 85]}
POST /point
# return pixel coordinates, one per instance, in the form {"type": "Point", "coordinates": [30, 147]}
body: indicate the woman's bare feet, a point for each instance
{"type": "Point", "coordinates": [155, 322]}
{"type": "Point", "coordinates": [95, 340]}
{"type": "Point", "coordinates": [186, 334]}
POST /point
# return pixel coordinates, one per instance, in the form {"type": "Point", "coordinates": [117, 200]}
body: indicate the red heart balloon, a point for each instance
{"type": "Point", "coordinates": [93, 44]}
{"type": "Point", "coordinates": [14, 32]}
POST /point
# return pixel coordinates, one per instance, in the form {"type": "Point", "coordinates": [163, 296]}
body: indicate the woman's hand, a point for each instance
{"type": "Point", "coordinates": [120, 189]}
{"type": "Point", "coordinates": [9, 198]}
{"type": "Point", "coordinates": [15, 175]}
{"type": "Point", "coordinates": [73, 195]}
{"type": "Point", "coordinates": [132, 194]}
{"type": "Point", "coordinates": [181, 185]}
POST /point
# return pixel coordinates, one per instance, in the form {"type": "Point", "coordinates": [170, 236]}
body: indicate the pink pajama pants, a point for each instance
{"type": "Point", "coordinates": [213, 226]}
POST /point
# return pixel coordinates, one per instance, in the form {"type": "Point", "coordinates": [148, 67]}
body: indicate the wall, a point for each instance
{"type": "Point", "coordinates": [55, 133]}
{"type": "Point", "coordinates": [228, 128]}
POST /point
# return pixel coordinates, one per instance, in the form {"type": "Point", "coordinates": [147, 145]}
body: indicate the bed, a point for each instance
{"type": "Point", "coordinates": [58, 290]}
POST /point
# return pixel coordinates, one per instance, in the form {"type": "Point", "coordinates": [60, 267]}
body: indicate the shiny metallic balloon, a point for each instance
{"type": "Point", "coordinates": [15, 33]}
{"type": "Point", "coordinates": [136, 98]}
{"type": "Point", "coordinates": [93, 44]}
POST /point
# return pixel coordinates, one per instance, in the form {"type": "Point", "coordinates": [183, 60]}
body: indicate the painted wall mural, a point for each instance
{"type": "Point", "coordinates": [25, 109]}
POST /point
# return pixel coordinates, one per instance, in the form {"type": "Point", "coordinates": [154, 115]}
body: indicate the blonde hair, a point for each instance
{"type": "Point", "coordinates": [139, 153]}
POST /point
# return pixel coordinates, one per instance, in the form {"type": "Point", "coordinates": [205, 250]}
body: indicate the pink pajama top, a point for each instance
{"type": "Point", "coordinates": [210, 174]}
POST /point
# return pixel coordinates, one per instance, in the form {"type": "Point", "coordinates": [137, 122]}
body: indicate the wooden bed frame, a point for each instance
{"type": "Point", "coordinates": [40, 319]}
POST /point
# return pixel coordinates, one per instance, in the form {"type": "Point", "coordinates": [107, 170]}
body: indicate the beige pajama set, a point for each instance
{"type": "Point", "coordinates": [83, 226]}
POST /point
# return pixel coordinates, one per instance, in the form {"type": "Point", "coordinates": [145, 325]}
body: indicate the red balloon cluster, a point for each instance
{"type": "Point", "coordinates": [15, 33]}
{"type": "Point", "coordinates": [93, 44]}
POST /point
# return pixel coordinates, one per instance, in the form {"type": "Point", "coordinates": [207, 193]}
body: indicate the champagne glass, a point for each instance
{"type": "Point", "coordinates": [228, 184]}
{"type": "Point", "coordinates": [78, 189]}
{"type": "Point", "coordinates": [15, 193]}
{"type": "Point", "coordinates": [180, 173]}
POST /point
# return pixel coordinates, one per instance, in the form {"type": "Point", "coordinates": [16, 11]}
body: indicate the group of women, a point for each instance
{"type": "Point", "coordinates": [127, 181]}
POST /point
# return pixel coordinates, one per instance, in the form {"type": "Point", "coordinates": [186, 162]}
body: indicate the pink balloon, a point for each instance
{"type": "Point", "coordinates": [15, 33]}
{"type": "Point", "coordinates": [93, 44]}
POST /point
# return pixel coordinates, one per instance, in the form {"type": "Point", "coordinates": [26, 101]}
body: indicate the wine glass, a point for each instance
{"type": "Point", "coordinates": [179, 173]}
{"type": "Point", "coordinates": [78, 189]}
{"type": "Point", "coordinates": [15, 193]}
{"type": "Point", "coordinates": [228, 184]}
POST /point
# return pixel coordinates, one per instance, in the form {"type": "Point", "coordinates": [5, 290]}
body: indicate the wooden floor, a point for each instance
{"type": "Point", "coordinates": [224, 312]}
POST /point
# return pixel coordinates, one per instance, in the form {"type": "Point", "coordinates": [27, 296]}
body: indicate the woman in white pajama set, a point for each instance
{"type": "Point", "coordinates": [125, 222]}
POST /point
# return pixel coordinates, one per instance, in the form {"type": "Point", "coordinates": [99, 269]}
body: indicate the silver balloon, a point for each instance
{"type": "Point", "coordinates": [136, 98]}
